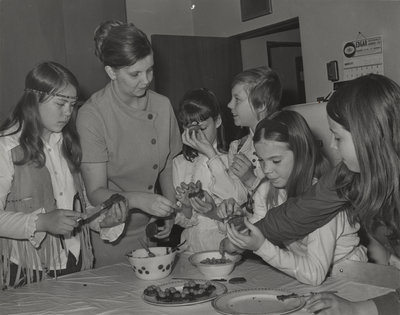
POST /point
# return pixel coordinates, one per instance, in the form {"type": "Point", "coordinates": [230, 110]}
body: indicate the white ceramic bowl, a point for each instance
{"type": "Point", "coordinates": [214, 270]}
{"type": "Point", "coordinates": [152, 268]}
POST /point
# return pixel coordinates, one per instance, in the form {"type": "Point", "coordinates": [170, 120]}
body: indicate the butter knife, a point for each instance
{"type": "Point", "coordinates": [284, 297]}
{"type": "Point", "coordinates": [101, 208]}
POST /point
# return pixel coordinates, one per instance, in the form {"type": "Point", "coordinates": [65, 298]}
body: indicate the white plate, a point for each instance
{"type": "Point", "coordinates": [178, 284]}
{"type": "Point", "coordinates": [256, 301]}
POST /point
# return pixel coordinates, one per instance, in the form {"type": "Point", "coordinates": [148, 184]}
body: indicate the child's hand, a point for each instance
{"type": "Point", "coordinates": [203, 206]}
{"type": "Point", "coordinates": [182, 194]}
{"type": "Point", "coordinates": [225, 246]}
{"type": "Point", "coordinates": [331, 304]}
{"type": "Point", "coordinates": [198, 141]}
{"type": "Point", "coordinates": [243, 168]}
{"type": "Point", "coordinates": [58, 221]}
{"type": "Point", "coordinates": [251, 241]}
{"type": "Point", "coordinates": [116, 215]}
{"type": "Point", "coordinates": [228, 207]}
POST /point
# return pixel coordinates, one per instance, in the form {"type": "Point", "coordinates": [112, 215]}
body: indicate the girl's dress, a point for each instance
{"type": "Point", "coordinates": [137, 147]}
{"type": "Point", "coordinates": [310, 259]}
{"type": "Point", "coordinates": [202, 233]}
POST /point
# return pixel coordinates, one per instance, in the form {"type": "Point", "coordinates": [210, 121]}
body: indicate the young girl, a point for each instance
{"type": "Point", "coordinates": [364, 118]}
{"type": "Point", "coordinates": [256, 94]}
{"type": "Point", "coordinates": [40, 184]}
{"type": "Point", "coordinates": [292, 162]}
{"type": "Point", "coordinates": [203, 159]}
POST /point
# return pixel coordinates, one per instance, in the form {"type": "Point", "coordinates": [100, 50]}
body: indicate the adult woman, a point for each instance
{"type": "Point", "coordinates": [129, 136]}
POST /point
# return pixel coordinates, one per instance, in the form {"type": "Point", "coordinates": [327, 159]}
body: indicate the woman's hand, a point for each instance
{"type": "Point", "coordinates": [115, 215]}
{"type": "Point", "coordinates": [243, 168]}
{"type": "Point", "coordinates": [165, 229]}
{"type": "Point", "coordinates": [198, 141]}
{"type": "Point", "coordinates": [228, 207]}
{"type": "Point", "coordinates": [251, 240]}
{"type": "Point", "coordinates": [330, 304]}
{"type": "Point", "coordinates": [58, 221]}
{"type": "Point", "coordinates": [153, 204]}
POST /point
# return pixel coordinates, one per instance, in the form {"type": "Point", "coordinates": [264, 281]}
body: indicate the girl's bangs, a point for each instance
{"type": "Point", "coordinates": [193, 114]}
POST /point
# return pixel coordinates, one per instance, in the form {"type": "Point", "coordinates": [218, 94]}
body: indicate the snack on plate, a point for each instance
{"type": "Point", "coordinates": [195, 190]}
{"type": "Point", "coordinates": [191, 291]}
{"type": "Point", "coordinates": [215, 261]}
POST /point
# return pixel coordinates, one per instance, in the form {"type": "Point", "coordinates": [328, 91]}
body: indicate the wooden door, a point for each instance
{"type": "Point", "coordinates": [286, 59]}
{"type": "Point", "coordinates": [188, 62]}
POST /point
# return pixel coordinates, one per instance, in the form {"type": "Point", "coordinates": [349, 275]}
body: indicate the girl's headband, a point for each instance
{"type": "Point", "coordinates": [51, 94]}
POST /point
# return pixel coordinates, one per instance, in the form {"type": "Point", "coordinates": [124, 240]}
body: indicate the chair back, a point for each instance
{"type": "Point", "coordinates": [315, 115]}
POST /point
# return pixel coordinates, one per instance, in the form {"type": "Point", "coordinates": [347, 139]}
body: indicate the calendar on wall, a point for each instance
{"type": "Point", "coordinates": [362, 56]}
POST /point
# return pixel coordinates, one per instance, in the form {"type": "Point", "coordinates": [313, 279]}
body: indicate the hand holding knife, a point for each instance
{"type": "Point", "coordinates": [101, 208]}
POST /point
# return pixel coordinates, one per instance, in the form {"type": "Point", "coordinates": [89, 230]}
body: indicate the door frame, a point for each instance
{"type": "Point", "coordinates": [286, 25]}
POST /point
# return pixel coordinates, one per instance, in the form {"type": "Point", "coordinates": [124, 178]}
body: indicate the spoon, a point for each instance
{"type": "Point", "coordinates": [149, 252]}
{"type": "Point", "coordinates": [176, 247]}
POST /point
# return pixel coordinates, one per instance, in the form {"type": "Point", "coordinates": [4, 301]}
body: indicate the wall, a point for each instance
{"type": "Point", "coordinates": [32, 31]}
{"type": "Point", "coordinates": [324, 26]}
{"type": "Point", "coordinates": [254, 50]}
{"type": "Point", "coordinates": [162, 17]}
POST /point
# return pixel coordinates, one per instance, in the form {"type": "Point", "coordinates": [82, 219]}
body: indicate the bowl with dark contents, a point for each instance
{"type": "Point", "coordinates": [213, 265]}
{"type": "Point", "coordinates": [152, 268]}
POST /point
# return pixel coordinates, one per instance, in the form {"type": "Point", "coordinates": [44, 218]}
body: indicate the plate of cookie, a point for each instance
{"type": "Point", "coordinates": [183, 292]}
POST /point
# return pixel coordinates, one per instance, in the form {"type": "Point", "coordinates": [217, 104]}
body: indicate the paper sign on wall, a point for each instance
{"type": "Point", "coordinates": [362, 56]}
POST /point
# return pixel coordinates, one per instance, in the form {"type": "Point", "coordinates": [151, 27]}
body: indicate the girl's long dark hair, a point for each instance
{"type": "Point", "coordinates": [309, 161]}
{"type": "Point", "coordinates": [369, 108]}
{"type": "Point", "coordinates": [41, 83]}
{"type": "Point", "coordinates": [196, 106]}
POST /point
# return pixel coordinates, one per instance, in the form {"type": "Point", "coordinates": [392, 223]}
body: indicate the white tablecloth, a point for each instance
{"type": "Point", "coordinates": [116, 290]}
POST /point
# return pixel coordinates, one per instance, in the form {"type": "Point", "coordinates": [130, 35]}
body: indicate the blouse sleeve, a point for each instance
{"type": "Point", "coordinates": [90, 129]}
{"type": "Point", "coordinates": [16, 225]}
{"type": "Point", "coordinates": [310, 268]}
{"type": "Point", "coordinates": [260, 202]}
{"type": "Point", "coordinates": [299, 216]}
{"type": "Point", "coordinates": [175, 147]}
{"type": "Point", "coordinates": [225, 184]}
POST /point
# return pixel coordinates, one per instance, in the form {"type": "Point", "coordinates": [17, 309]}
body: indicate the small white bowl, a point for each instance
{"type": "Point", "coordinates": [214, 270]}
{"type": "Point", "coordinates": [152, 268]}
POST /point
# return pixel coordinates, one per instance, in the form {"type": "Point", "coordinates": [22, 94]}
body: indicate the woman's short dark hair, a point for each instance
{"type": "Point", "coordinates": [119, 44]}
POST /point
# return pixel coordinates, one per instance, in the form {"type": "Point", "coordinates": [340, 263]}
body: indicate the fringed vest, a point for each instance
{"type": "Point", "coordinates": [32, 189]}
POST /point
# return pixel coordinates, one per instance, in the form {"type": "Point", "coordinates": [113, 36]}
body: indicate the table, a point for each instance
{"type": "Point", "coordinates": [115, 289]}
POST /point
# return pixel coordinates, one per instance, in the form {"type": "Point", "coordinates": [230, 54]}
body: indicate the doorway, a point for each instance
{"type": "Point", "coordinates": [279, 47]}
{"type": "Point", "coordinates": [286, 59]}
